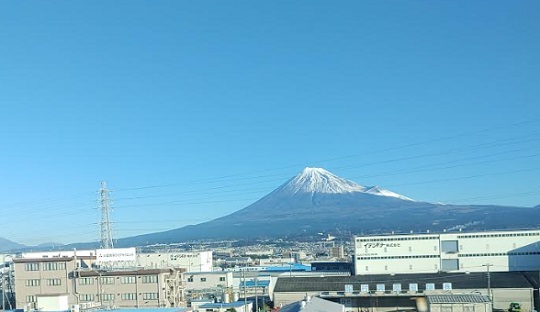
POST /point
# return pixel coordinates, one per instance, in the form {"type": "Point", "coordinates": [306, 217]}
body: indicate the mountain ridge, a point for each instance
{"type": "Point", "coordinates": [318, 201]}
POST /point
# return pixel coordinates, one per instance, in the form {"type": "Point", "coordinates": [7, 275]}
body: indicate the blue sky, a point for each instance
{"type": "Point", "coordinates": [191, 110]}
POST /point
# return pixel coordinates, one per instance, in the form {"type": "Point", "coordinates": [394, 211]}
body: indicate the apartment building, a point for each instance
{"type": "Point", "coordinates": [90, 287]}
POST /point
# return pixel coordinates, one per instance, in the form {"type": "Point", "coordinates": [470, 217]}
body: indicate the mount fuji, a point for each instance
{"type": "Point", "coordinates": [318, 201]}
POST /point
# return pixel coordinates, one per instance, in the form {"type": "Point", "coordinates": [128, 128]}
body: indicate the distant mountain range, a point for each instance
{"type": "Point", "coordinates": [6, 244]}
{"type": "Point", "coordinates": [318, 201]}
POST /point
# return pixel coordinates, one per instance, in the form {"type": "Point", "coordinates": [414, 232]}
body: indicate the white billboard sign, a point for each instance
{"type": "Point", "coordinates": [116, 255]}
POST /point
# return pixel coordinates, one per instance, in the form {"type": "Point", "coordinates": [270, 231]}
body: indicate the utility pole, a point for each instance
{"type": "Point", "coordinates": [3, 293]}
{"type": "Point", "coordinates": [245, 298]}
{"type": "Point", "coordinates": [256, 297]}
{"type": "Point", "coordinates": [487, 265]}
{"type": "Point", "coordinates": [106, 232]}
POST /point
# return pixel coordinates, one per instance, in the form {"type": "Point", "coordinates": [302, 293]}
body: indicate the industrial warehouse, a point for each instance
{"type": "Point", "coordinates": [473, 271]}
{"type": "Point", "coordinates": [499, 251]}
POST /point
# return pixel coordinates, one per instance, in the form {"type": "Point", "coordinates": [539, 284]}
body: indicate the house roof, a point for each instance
{"type": "Point", "coordinates": [313, 304]}
{"type": "Point", "coordinates": [235, 304]}
{"type": "Point", "coordinates": [458, 281]}
{"type": "Point", "coordinates": [472, 298]}
{"type": "Point", "coordinates": [88, 273]}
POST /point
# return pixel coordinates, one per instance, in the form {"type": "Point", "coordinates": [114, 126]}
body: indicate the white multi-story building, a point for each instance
{"type": "Point", "coordinates": [450, 252]}
{"type": "Point", "coordinates": [195, 261]}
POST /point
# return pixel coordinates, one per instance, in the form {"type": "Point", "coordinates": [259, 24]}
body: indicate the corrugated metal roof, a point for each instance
{"type": "Point", "coordinates": [459, 281]}
{"type": "Point", "coordinates": [457, 299]}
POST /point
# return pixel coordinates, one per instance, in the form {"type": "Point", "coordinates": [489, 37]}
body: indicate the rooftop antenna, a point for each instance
{"type": "Point", "coordinates": [106, 232]}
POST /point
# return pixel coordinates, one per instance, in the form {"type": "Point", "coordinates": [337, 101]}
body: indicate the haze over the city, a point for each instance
{"type": "Point", "coordinates": [193, 110]}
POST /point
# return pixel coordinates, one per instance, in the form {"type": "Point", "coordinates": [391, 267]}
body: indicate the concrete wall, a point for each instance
{"type": "Point", "coordinates": [202, 280]}
{"type": "Point", "coordinates": [503, 297]}
{"type": "Point", "coordinates": [460, 307]}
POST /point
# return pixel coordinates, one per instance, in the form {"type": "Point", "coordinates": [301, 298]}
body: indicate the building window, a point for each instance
{"type": "Point", "coordinates": [222, 279]}
{"type": "Point", "coordinates": [449, 246]}
{"type": "Point", "coordinates": [50, 266]}
{"type": "Point", "coordinates": [129, 296]}
{"type": "Point", "coordinates": [410, 267]}
{"type": "Point", "coordinates": [86, 297]}
{"type": "Point", "coordinates": [32, 282]}
{"type": "Point", "coordinates": [53, 266]}
{"type": "Point", "coordinates": [203, 279]}
{"type": "Point", "coordinates": [107, 297]}
{"type": "Point", "coordinates": [128, 280]}
{"type": "Point", "coordinates": [54, 282]}
{"type": "Point", "coordinates": [367, 268]}
{"type": "Point", "coordinates": [150, 296]}
{"type": "Point", "coordinates": [449, 264]}
{"type": "Point", "coordinates": [107, 280]}
{"type": "Point", "coordinates": [86, 281]}
{"type": "Point", "coordinates": [31, 266]}
{"type": "Point", "coordinates": [190, 279]}
{"type": "Point", "coordinates": [31, 298]}
{"type": "Point", "coordinates": [149, 279]}
{"type": "Point", "coordinates": [410, 248]}
{"type": "Point", "coordinates": [386, 268]}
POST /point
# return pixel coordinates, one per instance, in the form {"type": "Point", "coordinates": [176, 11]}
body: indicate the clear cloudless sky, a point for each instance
{"type": "Point", "coordinates": [191, 110]}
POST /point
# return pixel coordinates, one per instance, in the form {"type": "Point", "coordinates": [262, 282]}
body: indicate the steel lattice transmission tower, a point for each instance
{"type": "Point", "coordinates": [106, 231]}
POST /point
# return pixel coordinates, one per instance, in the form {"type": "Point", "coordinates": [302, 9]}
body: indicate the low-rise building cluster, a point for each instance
{"type": "Point", "coordinates": [460, 272]}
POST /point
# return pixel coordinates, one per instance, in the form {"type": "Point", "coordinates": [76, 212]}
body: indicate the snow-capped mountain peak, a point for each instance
{"type": "Point", "coordinates": [319, 180]}
{"type": "Point", "coordinates": [312, 180]}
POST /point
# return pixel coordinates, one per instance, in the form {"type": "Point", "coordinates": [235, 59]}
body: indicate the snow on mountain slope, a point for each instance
{"type": "Point", "coordinates": [319, 180]}
{"type": "Point", "coordinates": [375, 190]}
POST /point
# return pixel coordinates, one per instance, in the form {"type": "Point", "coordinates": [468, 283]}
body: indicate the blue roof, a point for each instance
{"type": "Point", "coordinates": [285, 268]}
{"type": "Point", "coordinates": [252, 283]}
